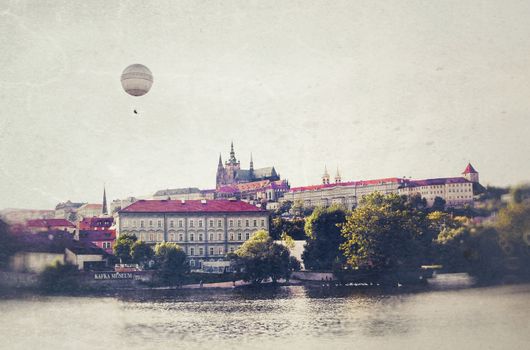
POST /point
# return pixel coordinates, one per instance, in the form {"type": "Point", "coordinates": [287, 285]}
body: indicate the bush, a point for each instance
{"type": "Point", "coordinates": [59, 278]}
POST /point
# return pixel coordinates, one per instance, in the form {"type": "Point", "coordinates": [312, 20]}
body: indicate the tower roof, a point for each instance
{"type": "Point", "coordinates": [325, 171]}
{"type": "Point", "coordinates": [469, 169]}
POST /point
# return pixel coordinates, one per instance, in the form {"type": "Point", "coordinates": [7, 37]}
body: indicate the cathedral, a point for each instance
{"type": "Point", "coordinates": [231, 173]}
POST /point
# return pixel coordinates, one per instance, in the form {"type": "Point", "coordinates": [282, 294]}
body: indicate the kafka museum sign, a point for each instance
{"type": "Point", "coordinates": [114, 276]}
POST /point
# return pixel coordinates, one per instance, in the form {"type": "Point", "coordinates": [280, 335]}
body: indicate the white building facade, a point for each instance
{"type": "Point", "coordinates": [205, 229]}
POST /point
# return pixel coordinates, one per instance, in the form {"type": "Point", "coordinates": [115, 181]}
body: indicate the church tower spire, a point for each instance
{"type": "Point", "coordinates": [251, 169]}
{"type": "Point", "coordinates": [338, 178]}
{"type": "Point", "coordinates": [325, 177]}
{"type": "Point", "coordinates": [232, 159]}
{"type": "Point", "coordinates": [104, 210]}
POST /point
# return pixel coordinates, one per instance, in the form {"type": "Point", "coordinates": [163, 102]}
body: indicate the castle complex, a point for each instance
{"type": "Point", "coordinates": [231, 173]}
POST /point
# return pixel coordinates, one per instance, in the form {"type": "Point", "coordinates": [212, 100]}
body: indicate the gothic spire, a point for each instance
{"type": "Point", "coordinates": [104, 208]}
{"type": "Point", "coordinates": [232, 153]}
{"type": "Point", "coordinates": [220, 164]}
{"type": "Point", "coordinates": [251, 162]}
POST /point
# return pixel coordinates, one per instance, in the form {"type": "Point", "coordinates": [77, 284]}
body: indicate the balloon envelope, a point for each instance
{"type": "Point", "coordinates": [136, 79]}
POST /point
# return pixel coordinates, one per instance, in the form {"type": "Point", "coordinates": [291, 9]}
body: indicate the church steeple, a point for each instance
{"type": "Point", "coordinates": [251, 169]}
{"type": "Point", "coordinates": [325, 177]}
{"type": "Point", "coordinates": [232, 159]}
{"type": "Point", "coordinates": [220, 164]}
{"type": "Point", "coordinates": [338, 178]}
{"type": "Point", "coordinates": [104, 208]}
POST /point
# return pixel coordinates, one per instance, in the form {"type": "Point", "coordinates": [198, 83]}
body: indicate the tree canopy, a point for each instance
{"type": "Point", "coordinates": [7, 244]}
{"type": "Point", "coordinates": [259, 258]}
{"type": "Point", "coordinates": [323, 231]}
{"type": "Point", "coordinates": [171, 262]}
{"type": "Point", "coordinates": [385, 232]}
{"type": "Point", "coordinates": [122, 248]}
{"type": "Point", "coordinates": [141, 252]}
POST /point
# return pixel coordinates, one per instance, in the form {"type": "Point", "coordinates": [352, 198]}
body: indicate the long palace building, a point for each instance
{"type": "Point", "coordinates": [456, 191]}
{"type": "Point", "coordinates": [206, 229]}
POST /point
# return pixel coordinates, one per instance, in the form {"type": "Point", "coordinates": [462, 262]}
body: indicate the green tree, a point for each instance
{"type": "Point", "coordinates": [438, 204]}
{"type": "Point", "coordinates": [59, 278]}
{"type": "Point", "coordinates": [171, 263]}
{"type": "Point", "coordinates": [141, 252]}
{"type": "Point", "coordinates": [284, 207]}
{"type": "Point", "coordinates": [7, 244]}
{"type": "Point", "coordinates": [385, 232]}
{"type": "Point", "coordinates": [123, 246]}
{"type": "Point", "coordinates": [293, 227]}
{"type": "Point", "coordinates": [287, 240]}
{"type": "Point", "coordinates": [521, 193]}
{"type": "Point", "coordinates": [323, 231]}
{"type": "Point", "coordinates": [260, 258]}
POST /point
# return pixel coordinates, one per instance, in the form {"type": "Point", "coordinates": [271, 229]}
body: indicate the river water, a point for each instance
{"type": "Point", "coordinates": [295, 317]}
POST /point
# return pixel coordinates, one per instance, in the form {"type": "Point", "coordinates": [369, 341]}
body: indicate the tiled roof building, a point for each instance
{"type": "Point", "coordinates": [456, 191]}
{"type": "Point", "coordinates": [206, 229]}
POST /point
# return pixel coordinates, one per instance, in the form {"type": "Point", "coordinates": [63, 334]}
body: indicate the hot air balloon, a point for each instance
{"type": "Point", "coordinates": [136, 80]}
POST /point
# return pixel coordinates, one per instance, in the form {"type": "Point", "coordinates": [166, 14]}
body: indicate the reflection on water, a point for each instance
{"type": "Point", "coordinates": [285, 317]}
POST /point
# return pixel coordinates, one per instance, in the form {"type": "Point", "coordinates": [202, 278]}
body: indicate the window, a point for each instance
{"type": "Point", "coordinates": [262, 223]}
{"type": "Point", "coordinates": [211, 236]}
{"type": "Point", "coordinates": [200, 237]}
{"type": "Point", "coordinates": [171, 237]}
{"type": "Point", "coordinates": [151, 236]}
{"type": "Point", "coordinates": [247, 235]}
{"type": "Point", "coordinates": [231, 236]}
{"type": "Point", "coordinates": [192, 237]}
{"type": "Point", "coordinates": [150, 223]}
{"type": "Point", "coordinates": [247, 223]}
{"type": "Point", "coordinates": [219, 223]}
{"type": "Point", "coordinates": [180, 223]}
{"type": "Point", "coordinates": [239, 236]}
{"type": "Point", "coordinates": [238, 223]}
{"type": "Point", "coordinates": [171, 223]}
{"type": "Point", "coordinates": [201, 251]}
{"type": "Point", "coordinates": [200, 223]}
{"type": "Point", "coordinates": [211, 223]}
{"type": "Point", "coordinates": [220, 250]}
{"type": "Point", "coordinates": [160, 237]}
{"type": "Point", "coordinates": [134, 223]}
{"type": "Point", "coordinates": [159, 223]}
{"type": "Point", "coordinates": [191, 223]}
{"type": "Point", "coordinates": [211, 250]}
{"type": "Point", "coordinates": [141, 223]}
{"type": "Point", "coordinates": [181, 237]}
{"type": "Point", "coordinates": [192, 252]}
{"type": "Point", "coordinates": [231, 223]}
{"type": "Point", "coordinates": [192, 262]}
{"type": "Point", "coordinates": [220, 236]}
{"type": "Point", "coordinates": [231, 249]}
{"type": "Point", "coordinates": [255, 223]}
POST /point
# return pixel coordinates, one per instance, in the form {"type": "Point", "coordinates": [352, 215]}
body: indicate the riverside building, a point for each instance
{"type": "Point", "coordinates": [206, 229]}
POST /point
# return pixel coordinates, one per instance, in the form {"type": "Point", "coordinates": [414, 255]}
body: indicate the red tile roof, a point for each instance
{"type": "Point", "coordinates": [469, 169]}
{"type": "Point", "coordinates": [49, 223]}
{"type": "Point", "coordinates": [89, 223]}
{"type": "Point", "coordinates": [190, 206]}
{"type": "Point", "coordinates": [439, 181]}
{"type": "Point", "coordinates": [91, 236]}
{"type": "Point", "coordinates": [349, 183]}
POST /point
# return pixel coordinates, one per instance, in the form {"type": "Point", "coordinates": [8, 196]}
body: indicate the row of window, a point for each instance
{"type": "Point", "coordinates": [212, 251]}
{"type": "Point", "coordinates": [191, 223]}
{"type": "Point", "coordinates": [151, 236]}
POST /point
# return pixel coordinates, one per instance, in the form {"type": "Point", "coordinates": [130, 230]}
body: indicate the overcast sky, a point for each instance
{"type": "Point", "coordinates": [380, 89]}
